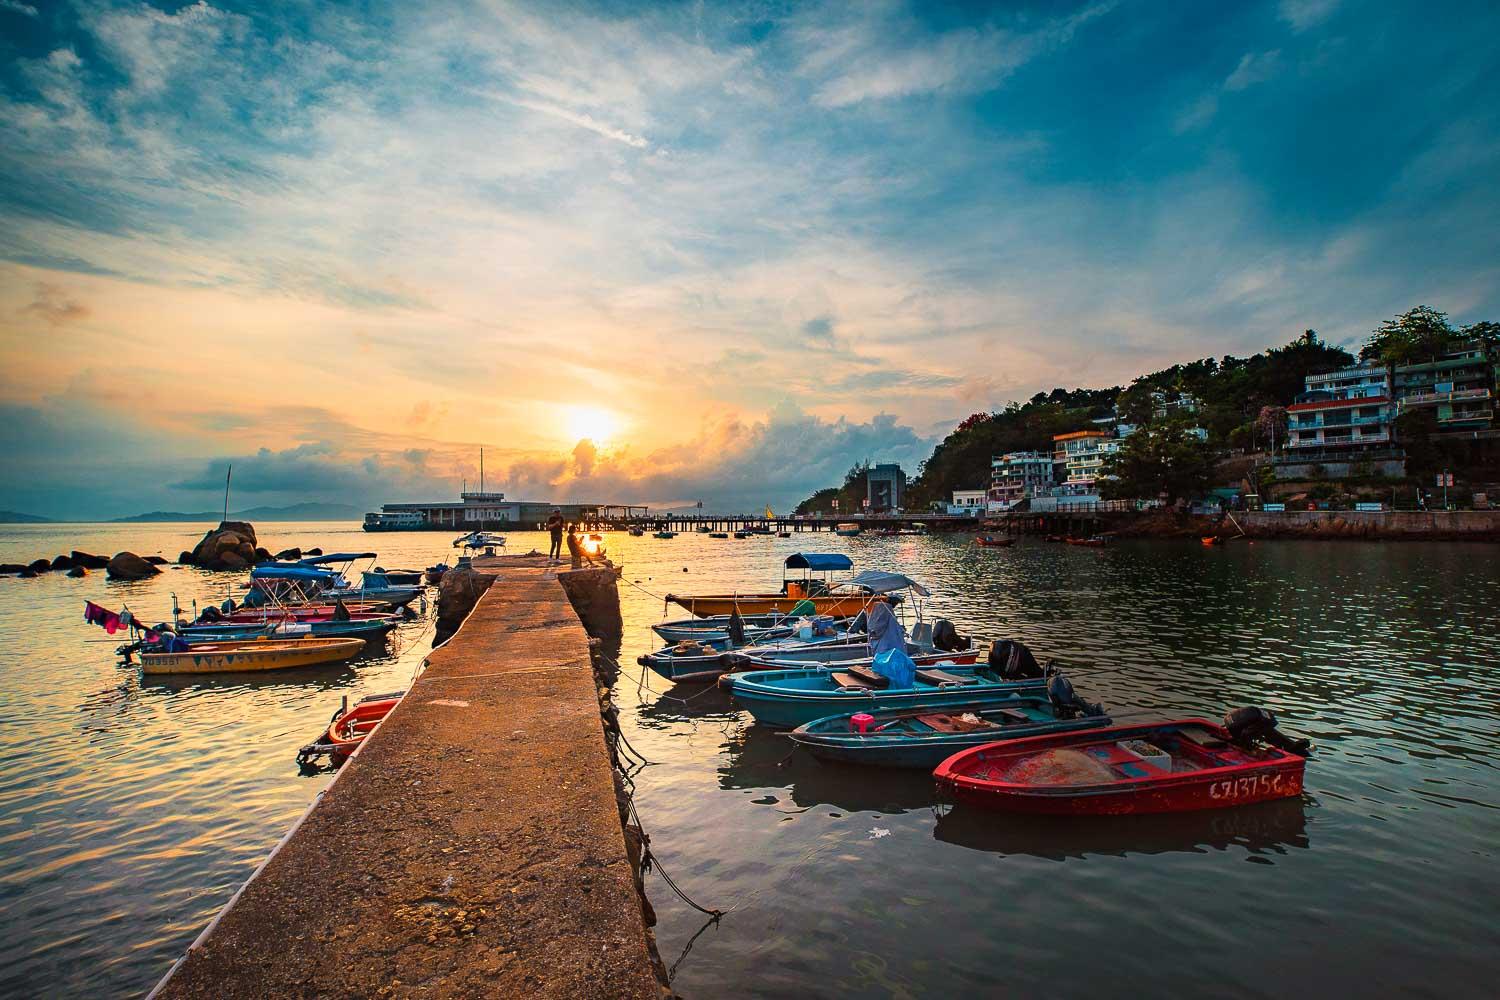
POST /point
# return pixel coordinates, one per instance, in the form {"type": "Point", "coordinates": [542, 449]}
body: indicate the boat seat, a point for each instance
{"type": "Point", "coordinates": [1011, 716]}
{"type": "Point", "coordinates": [870, 677]}
{"type": "Point", "coordinates": [943, 722]}
{"type": "Point", "coordinates": [941, 677]}
{"type": "Point", "coordinates": [849, 682]}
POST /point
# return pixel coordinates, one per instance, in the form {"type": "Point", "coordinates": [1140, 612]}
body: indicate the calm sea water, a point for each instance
{"type": "Point", "coordinates": [130, 811]}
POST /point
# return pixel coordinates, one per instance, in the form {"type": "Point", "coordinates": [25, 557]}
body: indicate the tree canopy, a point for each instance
{"type": "Point", "coordinates": [1164, 459]}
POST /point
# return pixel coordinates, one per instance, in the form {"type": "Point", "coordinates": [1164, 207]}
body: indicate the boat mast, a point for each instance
{"type": "Point", "coordinates": [227, 473]}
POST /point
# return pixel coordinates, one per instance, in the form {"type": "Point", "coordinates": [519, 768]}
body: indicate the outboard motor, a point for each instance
{"type": "Point", "coordinates": [1013, 661]}
{"type": "Point", "coordinates": [946, 637]}
{"type": "Point", "coordinates": [1252, 724]}
{"type": "Point", "coordinates": [210, 615]}
{"type": "Point", "coordinates": [1065, 701]}
{"type": "Point", "coordinates": [736, 628]}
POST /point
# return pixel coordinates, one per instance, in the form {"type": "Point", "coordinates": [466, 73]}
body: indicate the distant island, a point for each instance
{"type": "Point", "coordinates": [16, 517]}
{"type": "Point", "coordinates": [294, 512]}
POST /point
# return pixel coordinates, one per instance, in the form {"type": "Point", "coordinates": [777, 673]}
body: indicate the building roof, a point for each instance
{"type": "Point", "coordinates": [1080, 434]}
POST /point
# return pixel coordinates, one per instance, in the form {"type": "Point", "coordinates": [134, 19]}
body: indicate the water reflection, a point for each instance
{"type": "Point", "coordinates": [756, 757]}
{"type": "Point", "coordinates": [1261, 829]}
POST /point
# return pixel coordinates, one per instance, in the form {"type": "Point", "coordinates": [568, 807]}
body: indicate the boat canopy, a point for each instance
{"type": "Point", "coordinates": [821, 561]}
{"type": "Point", "coordinates": [337, 557]}
{"type": "Point", "coordinates": [884, 583]}
{"type": "Point", "coordinates": [291, 571]}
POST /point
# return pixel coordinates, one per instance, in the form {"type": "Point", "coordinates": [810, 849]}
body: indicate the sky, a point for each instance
{"type": "Point", "coordinates": [685, 251]}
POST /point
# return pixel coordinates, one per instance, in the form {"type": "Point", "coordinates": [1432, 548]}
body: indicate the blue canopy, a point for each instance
{"type": "Point", "coordinates": [338, 557]}
{"type": "Point", "coordinates": [291, 571]}
{"type": "Point", "coordinates": [819, 561]}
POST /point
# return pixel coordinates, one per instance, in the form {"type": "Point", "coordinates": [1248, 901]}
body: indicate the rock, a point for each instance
{"type": "Point", "coordinates": [8, 568]}
{"type": "Point", "coordinates": [459, 591]}
{"type": "Point", "coordinates": [156, 560]}
{"type": "Point", "coordinates": [27, 573]}
{"type": "Point", "coordinates": [129, 566]}
{"type": "Point", "coordinates": [62, 562]}
{"type": "Point", "coordinates": [184, 558]}
{"type": "Point", "coordinates": [78, 571]}
{"type": "Point", "coordinates": [40, 565]}
{"type": "Point", "coordinates": [312, 552]}
{"type": "Point", "coordinates": [229, 546]}
{"type": "Point", "coordinates": [88, 560]}
{"type": "Point", "coordinates": [290, 554]}
{"type": "Point", "coordinates": [262, 556]}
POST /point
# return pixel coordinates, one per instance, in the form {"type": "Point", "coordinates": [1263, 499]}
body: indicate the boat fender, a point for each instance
{"type": "Point", "coordinates": [1252, 724]}
{"type": "Point", "coordinates": [1013, 661]}
{"type": "Point", "coordinates": [946, 637]}
{"type": "Point", "coordinates": [734, 661]}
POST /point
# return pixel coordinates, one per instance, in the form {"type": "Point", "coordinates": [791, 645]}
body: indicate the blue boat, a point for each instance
{"type": "Point", "coordinates": [791, 698]}
{"type": "Point", "coordinates": [716, 628]}
{"type": "Point", "coordinates": [705, 661]}
{"type": "Point", "coordinates": [926, 737]}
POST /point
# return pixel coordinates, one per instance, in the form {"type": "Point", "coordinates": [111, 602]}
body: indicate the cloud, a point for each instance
{"type": "Point", "coordinates": [578, 118]}
{"type": "Point", "coordinates": [885, 58]}
{"type": "Point", "coordinates": [1254, 67]}
{"type": "Point", "coordinates": [1304, 14]}
{"type": "Point", "coordinates": [53, 306]}
{"type": "Point", "coordinates": [15, 6]}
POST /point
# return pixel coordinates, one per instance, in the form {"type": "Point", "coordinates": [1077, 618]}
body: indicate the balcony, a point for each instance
{"type": "Point", "coordinates": [1433, 398]}
{"type": "Point", "coordinates": [1467, 416]}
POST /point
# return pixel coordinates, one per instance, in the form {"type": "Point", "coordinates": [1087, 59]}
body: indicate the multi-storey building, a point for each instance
{"type": "Point", "coordinates": [1346, 409]}
{"type": "Point", "coordinates": [1078, 458]}
{"type": "Point", "coordinates": [971, 502]}
{"type": "Point", "coordinates": [885, 487]}
{"type": "Point", "coordinates": [1459, 385]}
{"type": "Point", "coordinates": [1018, 475]}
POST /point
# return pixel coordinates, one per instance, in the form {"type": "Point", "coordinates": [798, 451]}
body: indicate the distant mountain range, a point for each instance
{"type": "Point", "coordinates": [295, 512]}
{"type": "Point", "coordinates": [15, 517]}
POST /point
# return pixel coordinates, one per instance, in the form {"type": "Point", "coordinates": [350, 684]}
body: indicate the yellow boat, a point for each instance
{"type": "Point", "coordinates": [259, 654]}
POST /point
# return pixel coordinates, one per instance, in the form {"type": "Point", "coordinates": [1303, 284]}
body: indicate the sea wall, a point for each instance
{"type": "Point", "coordinates": [473, 846]}
{"type": "Point", "coordinates": [1460, 525]}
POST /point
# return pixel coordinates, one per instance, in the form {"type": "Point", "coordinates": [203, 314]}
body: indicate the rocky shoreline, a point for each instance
{"type": "Point", "coordinates": [1315, 525]}
{"type": "Point", "coordinates": [231, 546]}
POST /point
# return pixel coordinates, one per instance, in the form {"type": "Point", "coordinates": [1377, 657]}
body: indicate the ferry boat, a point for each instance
{"type": "Point", "coordinates": [406, 520]}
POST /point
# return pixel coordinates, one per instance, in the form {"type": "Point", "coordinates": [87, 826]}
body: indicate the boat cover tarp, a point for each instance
{"type": "Point", "coordinates": [821, 561]}
{"type": "Point", "coordinates": [886, 632]}
{"type": "Point", "coordinates": [803, 609]}
{"type": "Point", "coordinates": [338, 557]}
{"type": "Point", "coordinates": [878, 582]}
{"type": "Point", "coordinates": [895, 664]}
{"type": "Point", "coordinates": [291, 571]}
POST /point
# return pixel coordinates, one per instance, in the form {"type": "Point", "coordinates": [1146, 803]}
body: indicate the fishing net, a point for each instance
{"type": "Point", "coordinates": [1059, 767]}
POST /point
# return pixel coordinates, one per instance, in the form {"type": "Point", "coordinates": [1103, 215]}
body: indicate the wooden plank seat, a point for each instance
{"type": "Point", "coordinates": [945, 723]}
{"type": "Point", "coordinates": [934, 676]}
{"type": "Point", "coordinates": [849, 682]}
{"type": "Point", "coordinates": [870, 677]}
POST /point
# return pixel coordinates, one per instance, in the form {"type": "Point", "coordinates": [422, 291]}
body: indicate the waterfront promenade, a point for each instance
{"type": "Point", "coordinates": [472, 847]}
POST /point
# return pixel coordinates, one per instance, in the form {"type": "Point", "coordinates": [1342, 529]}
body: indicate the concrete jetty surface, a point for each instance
{"type": "Point", "coordinates": [472, 847]}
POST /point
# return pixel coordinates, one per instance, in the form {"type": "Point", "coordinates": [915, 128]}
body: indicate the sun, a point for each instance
{"type": "Point", "coordinates": [595, 423]}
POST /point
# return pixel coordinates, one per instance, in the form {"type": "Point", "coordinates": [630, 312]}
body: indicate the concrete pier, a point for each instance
{"type": "Point", "coordinates": [472, 847]}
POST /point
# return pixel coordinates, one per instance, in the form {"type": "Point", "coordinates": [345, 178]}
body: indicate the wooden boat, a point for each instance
{"type": "Point", "coordinates": [1094, 541]}
{"type": "Point", "coordinates": [758, 628]}
{"type": "Point", "coordinates": [1155, 767]}
{"type": "Point", "coordinates": [847, 529]}
{"type": "Point", "coordinates": [1211, 540]}
{"type": "Point", "coordinates": [718, 534]}
{"type": "Point", "coordinates": [251, 655]}
{"type": "Point", "coordinates": [434, 574]}
{"type": "Point", "coordinates": [791, 698]}
{"type": "Point", "coordinates": [993, 542]}
{"type": "Point", "coordinates": [742, 534]}
{"type": "Point", "coordinates": [665, 534]}
{"type": "Point", "coordinates": [925, 737]}
{"type": "Point", "coordinates": [838, 598]}
{"type": "Point", "coordinates": [836, 655]}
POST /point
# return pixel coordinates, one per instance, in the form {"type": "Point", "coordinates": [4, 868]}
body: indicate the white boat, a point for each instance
{"type": "Point", "coordinates": [479, 540]}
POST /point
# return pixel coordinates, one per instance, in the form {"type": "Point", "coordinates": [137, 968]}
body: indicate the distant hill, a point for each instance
{"type": "Point", "coordinates": [294, 512]}
{"type": "Point", "coordinates": [15, 517]}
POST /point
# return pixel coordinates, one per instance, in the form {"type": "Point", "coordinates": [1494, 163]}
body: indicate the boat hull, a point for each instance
{"type": "Point", "coordinates": [769, 696]}
{"type": "Point", "coordinates": [368, 630]}
{"type": "Point", "coordinates": [254, 655]}
{"type": "Point", "coordinates": [834, 737]}
{"type": "Point", "coordinates": [977, 777]}
{"type": "Point", "coordinates": [713, 605]}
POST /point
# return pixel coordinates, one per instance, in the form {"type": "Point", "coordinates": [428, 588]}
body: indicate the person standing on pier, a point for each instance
{"type": "Point", "coordinates": [555, 526]}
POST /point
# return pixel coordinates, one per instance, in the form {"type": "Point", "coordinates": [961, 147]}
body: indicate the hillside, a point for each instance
{"type": "Point", "coordinates": [16, 517]}
{"type": "Point", "coordinates": [294, 512]}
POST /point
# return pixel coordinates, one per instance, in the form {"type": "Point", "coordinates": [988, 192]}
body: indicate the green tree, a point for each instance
{"type": "Point", "coordinates": [1164, 459]}
{"type": "Point", "coordinates": [1417, 333]}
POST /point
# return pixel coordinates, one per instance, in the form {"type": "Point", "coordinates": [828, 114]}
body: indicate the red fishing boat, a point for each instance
{"type": "Point", "coordinates": [991, 542]}
{"type": "Point", "coordinates": [1157, 767]}
{"type": "Point", "coordinates": [1095, 542]}
{"type": "Point", "coordinates": [1211, 540]}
